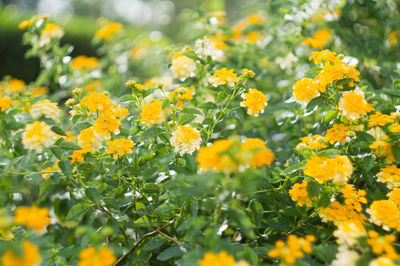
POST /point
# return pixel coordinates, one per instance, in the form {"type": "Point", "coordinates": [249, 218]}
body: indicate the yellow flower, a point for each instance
{"type": "Point", "coordinates": [91, 257]}
{"type": "Point", "coordinates": [325, 57]}
{"type": "Point", "coordinates": [77, 155]}
{"type": "Point", "coordinates": [33, 217]}
{"type": "Point", "coordinates": [319, 40]}
{"type": "Point", "coordinates": [25, 24]}
{"type": "Point", "coordinates": [39, 91]}
{"type": "Point", "coordinates": [354, 197]}
{"type": "Point", "coordinates": [261, 154]}
{"type": "Point", "coordinates": [381, 148]}
{"type": "Point", "coordinates": [97, 102]}
{"type": "Point", "coordinates": [120, 147]}
{"type": "Point", "coordinates": [341, 214]}
{"type": "Point", "coordinates": [106, 124]}
{"type": "Point", "coordinates": [305, 90]}
{"type": "Point", "coordinates": [89, 137]}
{"type": "Point", "coordinates": [181, 95]}
{"type": "Point", "coordinates": [323, 169]}
{"type": "Point", "coordinates": [50, 31]}
{"type": "Point", "coordinates": [93, 85]}
{"type": "Point", "coordinates": [215, 157]}
{"type": "Point", "coordinates": [224, 76]}
{"type": "Point", "coordinates": [315, 142]}
{"type": "Point", "coordinates": [338, 132]}
{"type": "Point", "coordinates": [5, 103]}
{"type": "Point", "coordinates": [47, 109]}
{"type": "Point", "coordinates": [220, 259]}
{"type": "Point", "coordinates": [385, 213]}
{"type": "Point", "coordinates": [83, 62]}
{"type": "Point", "coordinates": [293, 249]}
{"type": "Point", "coordinates": [37, 136]}
{"type": "Point", "coordinates": [390, 175]}
{"type": "Point", "coordinates": [16, 85]}
{"type": "Point", "coordinates": [352, 105]}
{"type": "Point", "coordinates": [31, 256]}
{"type": "Point", "coordinates": [382, 261]}
{"type": "Point", "coordinates": [49, 170]}
{"type": "Point", "coordinates": [248, 73]}
{"type": "Point", "coordinates": [182, 66]}
{"type": "Point", "coordinates": [185, 139]}
{"type": "Point", "coordinates": [394, 37]}
{"type": "Point", "coordinates": [152, 113]}
{"type": "Point", "coordinates": [255, 101]}
{"type": "Point", "coordinates": [108, 31]}
{"type": "Point", "coordinates": [299, 194]}
{"type": "Point", "coordinates": [394, 196]}
{"type": "Point", "coordinates": [379, 119]}
{"type": "Point", "coordinates": [382, 245]}
{"type": "Point", "coordinates": [253, 36]}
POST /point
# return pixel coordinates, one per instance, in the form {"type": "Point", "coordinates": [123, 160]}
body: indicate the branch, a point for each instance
{"type": "Point", "coordinates": [157, 231]}
{"type": "Point", "coordinates": [109, 214]}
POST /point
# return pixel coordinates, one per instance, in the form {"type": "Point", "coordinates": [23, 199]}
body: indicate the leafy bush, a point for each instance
{"type": "Point", "coordinates": [242, 153]}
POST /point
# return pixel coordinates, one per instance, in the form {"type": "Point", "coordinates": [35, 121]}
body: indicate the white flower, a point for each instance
{"type": "Point", "coordinates": [205, 48]}
{"type": "Point", "coordinates": [345, 257]}
{"type": "Point", "coordinates": [347, 234]}
{"type": "Point", "coordinates": [47, 109]}
{"type": "Point", "coordinates": [183, 67]}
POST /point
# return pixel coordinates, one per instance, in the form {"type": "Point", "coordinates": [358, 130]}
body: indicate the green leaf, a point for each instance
{"type": "Point", "coordinates": [58, 130]}
{"type": "Point", "coordinates": [57, 152]}
{"type": "Point", "coordinates": [165, 208]}
{"type": "Point", "coordinates": [169, 253]}
{"type": "Point", "coordinates": [46, 184]}
{"type": "Point", "coordinates": [151, 133]}
{"type": "Point", "coordinates": [330, 115]}
{"type": "Point", "coordinates": [93, 195]}
{"type": "Point", "coordinates": [78, 211]}
{"type": "Point", "coordinates": [313, 189]}
{"type": "Point", "coordinates": [65, 167]}
{"type": "Point", "coordinates": [315, 102]}
{"type": "Point", "coordinates": [293, 168]}
{"type": "Point", "coordinates": [368, 163]}
{"type": "Point", "coordinates": [313, 71]}
{"type": "Point", "coordinates": [396, 152]}
{"type": "Point", "coordinates": [391, 92]}
{"type": "Point", "coordinates": [154, 243]}
{"type": "Point", "coordinates": [240, 217]}
{"type": "Point", "coordinates": [325, 253]}
{"type": "Point", "coordinates": [127, 98]}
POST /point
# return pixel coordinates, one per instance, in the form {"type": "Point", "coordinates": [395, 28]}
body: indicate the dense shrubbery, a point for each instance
{"type": "Point", "coordinates": [242, 152]}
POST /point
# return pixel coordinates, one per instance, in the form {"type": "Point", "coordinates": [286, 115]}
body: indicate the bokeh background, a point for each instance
{"type": "Point", "coordinates": [156, 18]}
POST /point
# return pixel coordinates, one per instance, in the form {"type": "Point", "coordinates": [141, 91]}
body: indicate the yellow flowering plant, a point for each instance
{"type": "Point", "coordinates": [253, 143]}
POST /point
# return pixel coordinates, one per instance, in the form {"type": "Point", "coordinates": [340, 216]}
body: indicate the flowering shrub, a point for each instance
{"type": "Point", "coordinates": [212, 164]}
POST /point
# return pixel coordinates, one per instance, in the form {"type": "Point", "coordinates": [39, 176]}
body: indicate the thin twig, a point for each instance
{"type": "Point", "coordinates": [157, 231]}
{"type": "Point", "coordinates": [109, 214]}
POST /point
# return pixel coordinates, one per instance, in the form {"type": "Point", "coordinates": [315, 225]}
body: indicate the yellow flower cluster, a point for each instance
{"type": "Point", "coordinates": [51, 31]}
{"type": "Point", "coordinates": [97, 102]}
{"type": "Point", "coordinates": [379, 119]}
{"type": "Point", "coordinates": [5, 103]}
{"type": "Point", "coordinates": [228, 155]}
{"type": "Point", "coordinates": [315, 142]}
{"type": "Point", "coordinates": [323, 169]}
{"type": "Point", "coordinates": [320, 38]}
{"type": "Point", "coordinates": [239, 29]}
{"type": "Point", "coordinates": [182, 66]}
{"type": "Point", "coordinates": [385, 213]}
{"type": "Point", "coordinates": [353, 197]}
{"type": "Point", "coordinates": [89, 137]}
{"type": "Point", "coordinates": [293, 249]}
{"type": "Point", "coordinates": [33, 217]}
{"type": "Point", "coordinates": [342, 214]}
{"type": "Point", "coordinates": [152, 113]}
{"type": "Point", "coordinates": [180, 95]}
{"type": "Point", "coordinates": [255, 101]}
{"type": "Point", "coordinates": [10, 86]}
{"type": "Point", "coordinates": [224, 76]}
{"type": "Point", "coordinates": [31, 256]}
{"type": "Point", "coordinates": [390, 175]}
{"type": "Point", "coordinates": [108, 31]}
{"type": "Point", "coordinates": [347, 234]}
{"type": "Point", "coordinates": [299, 194]}
{"type": "Point", "coordinates": [382, 148]}
{"type": "Point", "coordinates": [333, 70]}
{"type": "Point", "coordinates": [120, 147]}
{"type": "Point", "coordinates": [77, 155]}
{"type": "Point", "coordinates": [220, 259]}
{"type": "Point", "coordinates": [185, 139]}
{"type": "Point", "coordinates": [91, 257]}
{"type": "Point", "coordinates": [352, 105]}
{"type": "Point", "coordinates": [382, 245]}
{"type": "Point", "coordinates": [37, 136]}
{"type": "Point", "coordinates": [338, 132]}
{"type": "Point", "coordinates": [47, 109]}
{"type": "Point", "coordinates": [84, 63]}
{"type": "Point", "coordinates": [39, 91]}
